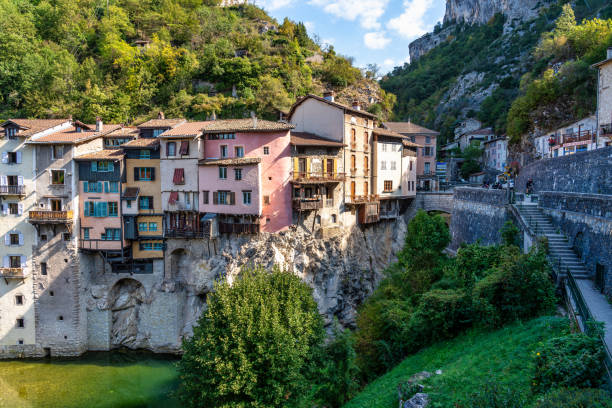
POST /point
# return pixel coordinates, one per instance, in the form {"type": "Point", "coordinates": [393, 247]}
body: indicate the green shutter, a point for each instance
{"type": "Point", "coordinates": [94, 166]}
{"type": "Point", "coordinates": [111, 166]}
{"type": "Point", "coordinates": [85, 186]}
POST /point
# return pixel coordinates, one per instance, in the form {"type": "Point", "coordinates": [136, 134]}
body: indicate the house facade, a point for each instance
{"type": "Point", "coordinates": [604, 101]}
{"type": "Point", "coordinates": [244, 175]}
{"type": "Point", "coordinates": [352, 127]}
{"type": "Point", "coordinates": [496, 153]}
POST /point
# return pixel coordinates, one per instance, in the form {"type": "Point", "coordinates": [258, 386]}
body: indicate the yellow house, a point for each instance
{"type": "Point", "coordinates": [141, 199]}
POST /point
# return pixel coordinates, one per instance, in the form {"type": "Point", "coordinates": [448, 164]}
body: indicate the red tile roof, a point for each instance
{"type": "Point", "coordinates": [143, 142]}
{"type": "Point", "coordinates": [71, 136]}
{"type": "Point", "coordinates": [334, 104]}
{"type": "Point", "coordinates": [409, 128]}
{"type": "Point", "coordinates": [187, 129]}
{"type": "Point", "coordinates": [162, 123]}
{"type": "Point", "coordinates": [106, 154]}
{"type": "Point", "coordinates": [245, 125]}
{"type": "Point", "coordinates": [34, 126]}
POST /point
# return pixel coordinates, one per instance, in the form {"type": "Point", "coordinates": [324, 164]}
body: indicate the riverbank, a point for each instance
{"type": "Point", "coordinates": [125, 379]}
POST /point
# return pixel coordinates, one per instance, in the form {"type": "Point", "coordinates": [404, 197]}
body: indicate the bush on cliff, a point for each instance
{"type": "Point", "coordinates": [575, 398]}
{"type": "Point", "coordinates": [254, 345]}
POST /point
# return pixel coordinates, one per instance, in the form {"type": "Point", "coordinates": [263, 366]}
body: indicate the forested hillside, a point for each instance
{"type": "Point", "coordinates": [125, 59]}
{"type": "Point", "coordinates": [481, 69]}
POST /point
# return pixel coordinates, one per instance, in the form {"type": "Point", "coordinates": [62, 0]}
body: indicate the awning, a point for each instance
{"type": "Point", "coordinates": [208, 217]}
{"type": "Point", "coordinates": [173, 198]}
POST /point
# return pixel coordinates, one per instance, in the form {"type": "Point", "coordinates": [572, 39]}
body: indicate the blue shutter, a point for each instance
{"type": "Point", "coordinates": [104, 209]}
{"type": "Point", "coordinates": [94, 166]}
{"type": "Point", "coordinates": [99, 187]}
{"type": "Point", "coordinates": [111, 166]}
{"type": "Point", "coordinates": [85, 186]}
{"type": "Point", "coordinates": [106, 186]}
{"type": "Point", "coordinates": [86, 208]}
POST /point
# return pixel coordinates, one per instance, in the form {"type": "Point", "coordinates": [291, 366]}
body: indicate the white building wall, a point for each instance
{"type": "Point", "coordinates": [389, 168]}
{"type": "Point", "coordinates": [604, 105]}
{"type": "Point", "coordinates": [319, 118]}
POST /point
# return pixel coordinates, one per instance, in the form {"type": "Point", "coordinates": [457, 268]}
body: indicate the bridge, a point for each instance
{"type": "Point", "coordinates": [435, 201]}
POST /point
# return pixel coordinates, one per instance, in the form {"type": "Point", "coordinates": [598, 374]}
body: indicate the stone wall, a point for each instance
{"type": "Point", "coordinates": [586, 219]}
{"type": "Point", "coordinates": [586, 172]}
{"type": "Point", "coordinates": [478, 214]}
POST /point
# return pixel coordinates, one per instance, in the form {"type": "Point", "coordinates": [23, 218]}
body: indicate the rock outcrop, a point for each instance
{"type": "Point", "coordinates": [481, 11]}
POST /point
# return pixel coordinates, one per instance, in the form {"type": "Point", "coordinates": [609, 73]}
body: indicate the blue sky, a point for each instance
{"type": "Point", "coordinates": [371, 31]}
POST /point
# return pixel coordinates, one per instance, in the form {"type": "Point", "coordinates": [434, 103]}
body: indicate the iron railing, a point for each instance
{"type": "Point", "coordinates": [12, 190]}
{"type": "Point", "coordinates": [50, 216]}
{"type": "Point", "coordinates": [12, 273]}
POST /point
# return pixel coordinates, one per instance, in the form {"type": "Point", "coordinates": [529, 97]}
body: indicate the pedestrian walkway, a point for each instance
{"type": "Point", "coordinates": [599, 307]}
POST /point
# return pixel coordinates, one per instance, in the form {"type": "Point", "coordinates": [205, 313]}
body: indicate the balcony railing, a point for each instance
{"type": "Point", "coordinates": [307, 204]}
{"type": "Point", "coordinates": [363, 199]}
{"type": "Point", "coordinates": [230, 228]}
{"type": "Point", "coordinates": [354, 146]}
{"type": "Point", "coordinates": [12, 190]}
{"type": "Point", "coordinates": [50, 216]}
{"type": "Point", "coordinates": [12, 273]}
{"type": "Point", "coordinates": [183, 233]}
{"type": "Point", "coordinates": [582, 136]}
{"type": "Point", "coordinates": [316, 177]}
{"type": "Point", "coordinates": [100, 245]}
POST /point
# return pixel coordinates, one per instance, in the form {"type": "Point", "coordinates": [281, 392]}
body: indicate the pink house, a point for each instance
{"type": "Point", "coordinates": [244, 176]}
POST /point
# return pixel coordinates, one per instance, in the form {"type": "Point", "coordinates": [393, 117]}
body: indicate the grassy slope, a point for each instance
{"type": "Point", "coordinates": [467, 362]}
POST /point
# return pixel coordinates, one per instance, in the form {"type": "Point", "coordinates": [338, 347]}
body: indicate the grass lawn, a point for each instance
{"type": "Point", "coordinates": [467, 362]}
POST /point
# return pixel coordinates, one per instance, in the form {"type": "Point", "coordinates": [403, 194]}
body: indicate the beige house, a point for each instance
{"type": "Point", "coordinates": [604, 101]}
{"type": "Point", "coordinates": [353, 127]}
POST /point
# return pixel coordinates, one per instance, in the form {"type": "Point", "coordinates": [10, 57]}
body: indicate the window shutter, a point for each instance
{"type": "Point", "coordinates": [215, 197]}
{"type": "Point", "coordinates": [23, 261]}
{"type": "Point", "coordinates": [152, 173]}
{"type": "Point", "coordinates": [94, 166]}
{"type": "Point", "coordinates": [3, 180]}
{"type": "Point", "coordinates": [99, 187]}
{"type": "Point", "coordinates": [18, 157]}
{"type": "Point", "coordinates": [106, 186]}
{"type": "Point", "coordinates": [20, 180]}
{"type": "Point", "coordinates": [136, 174]}
{"type": "Point", "coordinates": [6, 262]}
{"type": "Point", "coordinates": [7, 239]}
{"type": "Point", "coordinates": [19, 208]}
{"type": "Point", "coordinates": [111, 166]}
{"type": "Point", "coordinates": [86, 209]}
{"type": "Point", "coordinates": [5, 209]}
{"type": "Point", "coordinates": [85, 186]}
{"type": "Point", "coordinates": [104, 207]}
{"type": "Point", "coordinates": [4, 157]}
{"type": "Point", "coordinates": [232, 198]}
{"type": "Point", "coordinates": [20, 239]}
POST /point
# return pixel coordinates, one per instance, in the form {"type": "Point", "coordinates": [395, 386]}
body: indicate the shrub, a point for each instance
{"type": "Point", "coordinates": [253, 346]}
{"type": "Point", "coordinates": [495, 395]}
{"type": "Point", "coordinates": [575, 360]}
{"type": "Point", "coordinates": [519, 288]}
{"type": "Point", "coordinates": [575, 398]}
{"type": "Point", "coordinates": [510, 234]}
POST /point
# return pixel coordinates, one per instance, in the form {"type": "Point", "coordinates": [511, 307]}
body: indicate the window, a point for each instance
{"type": "Point", "coordinates": [143, 227]}
{"type": "Point", "coordinates": [393, 165]}
{"type": "Point", "coordinates": [13, 208]}
{"type": "Point", "coordinates": [67, 236]}
{"type": "Point", "coordinates": [184, 150]}
{"type": "Point", "coordinates": [353, 162]}
{"type": "Point", "coordinates": [238, 174]}
{"type": "Point", "coordinates": [266, 200]}
{"type": "Point", "coordinates": [222, 136]}
{"type": "Point", "coordinates": [224, 198]}
{"type": "Point", "coordinates": [96, 209]}
{"type": "Point", "coordinates": [144, 174]}
{"type": "Point", "coordinates": [111, 234]}
{"type": "Point", "coordinates": [246, 197]}
{"type": "Point", "coordinates": [57, 152]}
{"type": "Point", "coordinates": [222, 173]}
{"type": "Point", "coordinates": [428, 151]}
{"type": "Point", "coordinates": [20, 323]}
{"type": "Point", "coordinates": [129, 203]}
{"type": "Point", "coordinates": [151, 246]}
{"type": "Point", "coordinates": [388, 185]}
{"type": "Point", "coordinates": [43, 237]}
{"type": "Point", "coordinates": [171, 149]}
{"type": "Point", "coordinates": [113, 210]}
{"type": "Point", "coordinates": [384, 147]}
{"type": "Point", "coordinates": [410, 165]}
{"type": "Point", "coordinates": [334, 218]}
{"type": "Point", "coordinates": [266, 150]}
{"type": "Point", "coordinates": [239, 150]}
{"type": "Point", "coordinates": [223, 149]}
{"type": "Point", "coordinates": [113, 186]}
{"type": "Point", "coordinates": [383, 165]}
{"type": "Point", "coordinates": [427, 139]}
{"type": "Point", "coordinates": [55, 204]}
{"type": "Point", "coordinates": [427, 168]}
{"type": "Point", "coordinates": [179, 176]}
{"type": "Point", "coordinates": [19, 300]}
{"type": "Point", "coordinates": [43, 268]}
{"type": "Point", "coordinates": [205, 197]}
{"type": "Point", "coordinates": [14, 239]}
{"type": "Point", "coordinates": [57, 177]}
{"type": "Point", "coordinates": [366, 164]}
{"type": "Point", "coordinates": [145, 202]}
{"type": "Point", "coordinates": [102, 166]}
{"type": "Point", "coordinates": [12, 158]}
{"type": "Point", "coordinates": [92, 186]}
{"type": "Point", "coordinates": [14, 261]}
{"type": "Point", "coordinates": [157, 132]}
{"type": "Point", "coordinates": [153, 226]}
{"type": "Point", "coordinates": [11, 132]}
{"type": "Point", "coordinates": [144, 154]}
{"type": "Point", "coordinates": [413, 139]}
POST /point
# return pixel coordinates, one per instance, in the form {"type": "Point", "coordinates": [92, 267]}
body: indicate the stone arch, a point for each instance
{"type": "Point", "coordinates": [126, 298]}
{"type": "Point", "coordinates": [444, 214]}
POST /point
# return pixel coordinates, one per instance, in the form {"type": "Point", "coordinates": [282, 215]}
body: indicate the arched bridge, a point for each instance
{"type": "Point", "coordinates": [435, 201]}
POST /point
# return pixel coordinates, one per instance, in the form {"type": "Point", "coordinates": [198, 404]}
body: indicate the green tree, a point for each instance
{"type": "Point", "coordinates": [426, 238]}
{"type": "Point", "coordinates": [253, 345]}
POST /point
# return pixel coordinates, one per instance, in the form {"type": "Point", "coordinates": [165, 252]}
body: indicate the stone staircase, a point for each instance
{"type": "Point", "coordinates": [559, 248]}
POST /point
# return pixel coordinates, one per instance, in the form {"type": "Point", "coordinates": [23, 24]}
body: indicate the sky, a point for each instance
{"type": "Point", "coordinates": [370, 31]}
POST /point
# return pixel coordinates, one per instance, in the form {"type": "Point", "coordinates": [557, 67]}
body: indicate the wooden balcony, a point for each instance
{"type": "Point", "coordinates": [307, 204]}
{"type": "Point", "coordinates": [50, 217]}
{"type": "Point", "coordinates": [317, 177]}
{"type": "Point", "coordinates": [12, 273]}
{"type": "Point", "coordinates": [100, 245]}
{"type": "Point", "coordinates": [369, 213]}
{"type": "Point", "coordinates": [183, 233]}
{"type": "Point", "coordinates": [236, 228]}
{"type": "Point", "coordinates": [12, 190]}
{"type": "Point", "coordinates": [357, 200]}
{"type": "Point", "coordinates": [582, 136]}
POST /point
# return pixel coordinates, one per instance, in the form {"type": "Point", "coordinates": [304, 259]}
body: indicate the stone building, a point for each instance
{"type": "Point", "coordinates": [394, 171]}
{"type": "Point", "coordinates": [244, 174]}
{"type": "Point", "coordinates": [18, 198]}
{"type": "Point", "coordinates": [426, 155]}
{"type": "Point", "coordinates": [604, 101]}
{"type": "Point", "coordinates": [352, 127]}
{"type": "Point", "coordinates": [317, 178]}
{"type": "Point", "coordinates": [496, 153]}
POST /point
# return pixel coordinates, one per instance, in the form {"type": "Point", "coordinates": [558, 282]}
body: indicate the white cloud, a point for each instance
{"type": "Point", "coordinates": [309, 26]}
{"type": "Point", "coordinates": [376, 40]}
{"type": "Point", "coordinates": [367, 12]}
{"type": "Point", "coordinates": [273, 4]}
{"type": "Point", "coordinates": [328, 41]}
{"type": "Point", "coordinates": [411, 23]}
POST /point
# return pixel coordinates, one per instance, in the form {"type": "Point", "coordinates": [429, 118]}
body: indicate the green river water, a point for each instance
{"type": "Point", "coordinates": [96, 380]}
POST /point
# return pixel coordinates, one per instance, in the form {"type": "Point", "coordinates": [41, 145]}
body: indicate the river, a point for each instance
{"type": "Point", "coordinates": [95, 380]}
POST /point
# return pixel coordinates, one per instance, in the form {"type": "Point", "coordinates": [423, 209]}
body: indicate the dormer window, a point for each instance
{"type": "Point", "coordinates": [11, 132]}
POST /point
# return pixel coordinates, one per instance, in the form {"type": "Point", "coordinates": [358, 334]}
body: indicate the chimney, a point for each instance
{"type": "Point", "coordinates": [330, 96]}
{"type": "Point", "coordinates": [213, 116]}
{"type": "Point", "coordinates": [99, 124]}
{"type": "Point", "coordinates": [254, 117]}
{"type": "Point", "coordinates": [610, 53]}
{"type": "Point", "coordinates": [160, 115]}
{"type": "Point", "coordinates": [356, 105]}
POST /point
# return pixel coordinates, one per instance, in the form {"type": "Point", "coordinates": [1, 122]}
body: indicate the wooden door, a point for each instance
{"type": "Point", "coordinates": [330, 167]}
{"type": "Point", "coordinates": [56, 205]}
{"type": "Point", "coordinates": [352, 189]}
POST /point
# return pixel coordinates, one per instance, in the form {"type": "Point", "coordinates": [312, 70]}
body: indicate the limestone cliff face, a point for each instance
{"type": "Point", "coordinates": [481, 11]}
